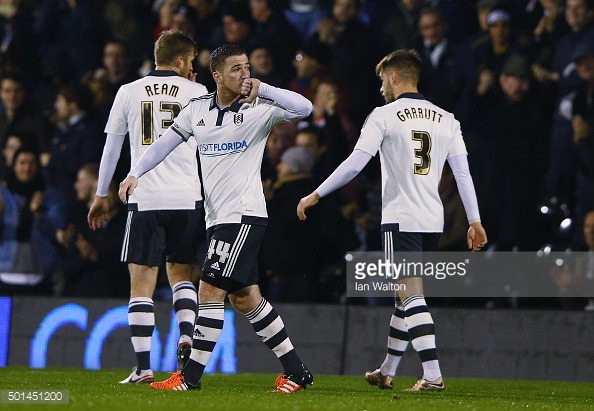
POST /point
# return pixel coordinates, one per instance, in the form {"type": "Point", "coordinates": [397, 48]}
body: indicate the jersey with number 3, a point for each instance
{"type": "Point", "coordinates": [145, 108]}
{"type": "Point", "coordinates": [414, 138]}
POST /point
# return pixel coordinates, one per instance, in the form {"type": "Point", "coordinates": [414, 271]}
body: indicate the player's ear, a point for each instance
{"type": "Point", "coordinates": [217, 77]}
{"type": "Point", "coordinates": [394, 77]}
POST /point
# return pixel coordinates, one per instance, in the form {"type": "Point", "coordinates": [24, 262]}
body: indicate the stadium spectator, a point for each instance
{"type": "Point", "coordinates": [73, 27]}
{"type": "Point", "coordinates": [304, 16]}
{"type": "Point", "coordinates": [271, 24]}
{"type": "Point", "coordinates": [582, 122]}
{"type": "Point", "coordinates": [116, 69]}
{"type": "Point", "coordinates": [291, 278]}
{"type": "Point", "coordinates": [352, 48]}
{"type": "Point", "coordinates": [437, 52]}
{"type": "Point", "coordinates": [77, 140]}
{"type": "Point", "coordinates": [561, 79]}
{"type": "Point", "coordinates": [264, 68]}
{"type": "Point", "coordinates": [18, 116]}
{"type": "Point", "coordinates": [400, 29]}
{"type": "Point", "coordinates": [92, 266]}
{"type": "Point", "coordinates": [488, 54]}
{"type": "Point", "coordinates": [31, 212]}
{"type": "Point", "coordinates": [578, 281]}
{"type": "Point", "coordinates": [503, 119]}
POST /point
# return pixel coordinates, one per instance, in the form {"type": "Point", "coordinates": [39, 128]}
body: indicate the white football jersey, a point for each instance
{"type": "Point", "coordinates": [231, 144]}
{"type": "Point", "coordinates": [145, 108]}
{"type": "Point", "coordinates": [414, 138]}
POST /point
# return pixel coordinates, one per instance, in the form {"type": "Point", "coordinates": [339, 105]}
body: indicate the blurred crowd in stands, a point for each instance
{"type": "Point", "coordinates": [518, 74]}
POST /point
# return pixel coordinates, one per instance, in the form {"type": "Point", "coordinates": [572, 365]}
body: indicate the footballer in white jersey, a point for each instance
{"type": "Point", "coordinates": [414, 138]}
{"type": "Point", "coordinates": [231, 127]}
{"type": "Point", "coordinates": [231, 144]}
{"type": "Point", "coordinates": [165, 216]}
{"type": "Point", "coordinates": [144, 108]}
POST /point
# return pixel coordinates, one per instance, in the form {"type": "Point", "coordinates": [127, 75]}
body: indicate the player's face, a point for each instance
{"type": "Point", "coordinates": [386, 89]}
{"type": "Point", "coordinates": [236, 69]}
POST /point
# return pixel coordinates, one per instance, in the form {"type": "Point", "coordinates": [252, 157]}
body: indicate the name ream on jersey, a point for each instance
{"type": "Point", "coordinates": [419, 113]}
{"type": "Point", "coordinates": [159, 89]}
{"type": "Point", "coordinates": [222, 149]}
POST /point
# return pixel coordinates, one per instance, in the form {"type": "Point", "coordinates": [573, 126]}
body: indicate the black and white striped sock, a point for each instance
{"type": "Point", "coordinates": [185, 302]}
{"type": "Point", "coordinates": [269, 326]}
{"type": "Point", "coordinates": [207, 331]}
{"type": "Point", "coordinates": [141, 319]}
{"type": "Point", "coordinates": [397, 342]}
{"type": "Point", "coordinates": [422, 334]}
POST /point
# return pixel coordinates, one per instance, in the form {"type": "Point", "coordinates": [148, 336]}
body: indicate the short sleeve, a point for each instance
{"type": "Point", "coordinates": [182, 124]}
{"type": "Point", "coordinates": [372, 134]}
{"type": "Point", "coordinates": [117, 122]}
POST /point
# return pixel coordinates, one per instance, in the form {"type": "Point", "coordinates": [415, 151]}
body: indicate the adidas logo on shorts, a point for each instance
{"type": "Point", "coordinates": [215, 266]}
{"type": "Point", "coordinates": [201, 123]}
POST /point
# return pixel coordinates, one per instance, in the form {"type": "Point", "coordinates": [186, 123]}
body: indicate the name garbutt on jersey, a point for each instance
{"type": "Point", "coordinates": [222, 149]}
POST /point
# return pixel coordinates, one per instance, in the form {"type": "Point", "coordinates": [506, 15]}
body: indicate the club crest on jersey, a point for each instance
{"type": "Point", "coordinates": [238, 119]}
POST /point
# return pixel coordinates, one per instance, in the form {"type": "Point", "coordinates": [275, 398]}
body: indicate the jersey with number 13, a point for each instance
{"type": "Point", "coordinates": [145, 108]}
{"type": "Point", "coordinates": [414, 138]}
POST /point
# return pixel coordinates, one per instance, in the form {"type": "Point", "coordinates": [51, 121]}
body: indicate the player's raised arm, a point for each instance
{"type": "Point", "coordinates": [149, 160]}
{"type": "Point", "coordinates": [296, 105]}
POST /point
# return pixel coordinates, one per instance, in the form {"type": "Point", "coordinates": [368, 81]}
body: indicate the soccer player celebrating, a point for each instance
{"type": "Point", "coordinates": [414, 138]}
{"type": "Point", "coordinates": [231, 127]}
{"type": "Point", "coordinates": [165, 215]}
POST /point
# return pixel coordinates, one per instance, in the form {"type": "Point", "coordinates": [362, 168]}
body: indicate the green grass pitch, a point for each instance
{"type": "Point", "coordinates": [245, 392]}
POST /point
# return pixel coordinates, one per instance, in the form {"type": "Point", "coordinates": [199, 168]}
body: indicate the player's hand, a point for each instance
{"type": "Point", "coordinates": [249, 89]}
{"type": "Point", "coordinates": [305, 203]}
{"type": "Point", "coordinates": [127, 188]}
{"type": "Point", "coordinates": [476, 237]}
{"type": "Point", "coordinates": [98, 213]}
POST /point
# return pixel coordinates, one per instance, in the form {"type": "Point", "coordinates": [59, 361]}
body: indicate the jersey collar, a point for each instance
{"type": "Point", "coordinates": [235, 106]}
{"type": "Point", "coordinates": [416, 96]}
{"type": "Point", "coordinates": [162, 73]}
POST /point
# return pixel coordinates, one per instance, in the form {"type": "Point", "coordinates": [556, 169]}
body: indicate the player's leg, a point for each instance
{"type": "Point", "coordinates": [270, 327]}
{"type": "Point", "coordinates": [397, 343]}
{"type": "Point", "coordinates": [419, 321]}
{"type": "Point", "coordinates": [142, 249]}
{"type": "Point", "coordinates": [185, 305]}
{"type": "Point", "coordinates": [183, 231]}
{"type": "Point", "coordinates": [398, 336]}
{"type": "Point", "coordinates": [141, 320]}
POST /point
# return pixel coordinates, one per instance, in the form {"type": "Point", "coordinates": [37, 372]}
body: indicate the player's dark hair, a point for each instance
{"type": "Point", "coordinates": [407, 63]}
{"type": "Point", "coordinates": [79, 93]}
{"type": "Point", "coordinates": [171, 44]}
{"type": "Point", "coordinates": [218, 57]}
